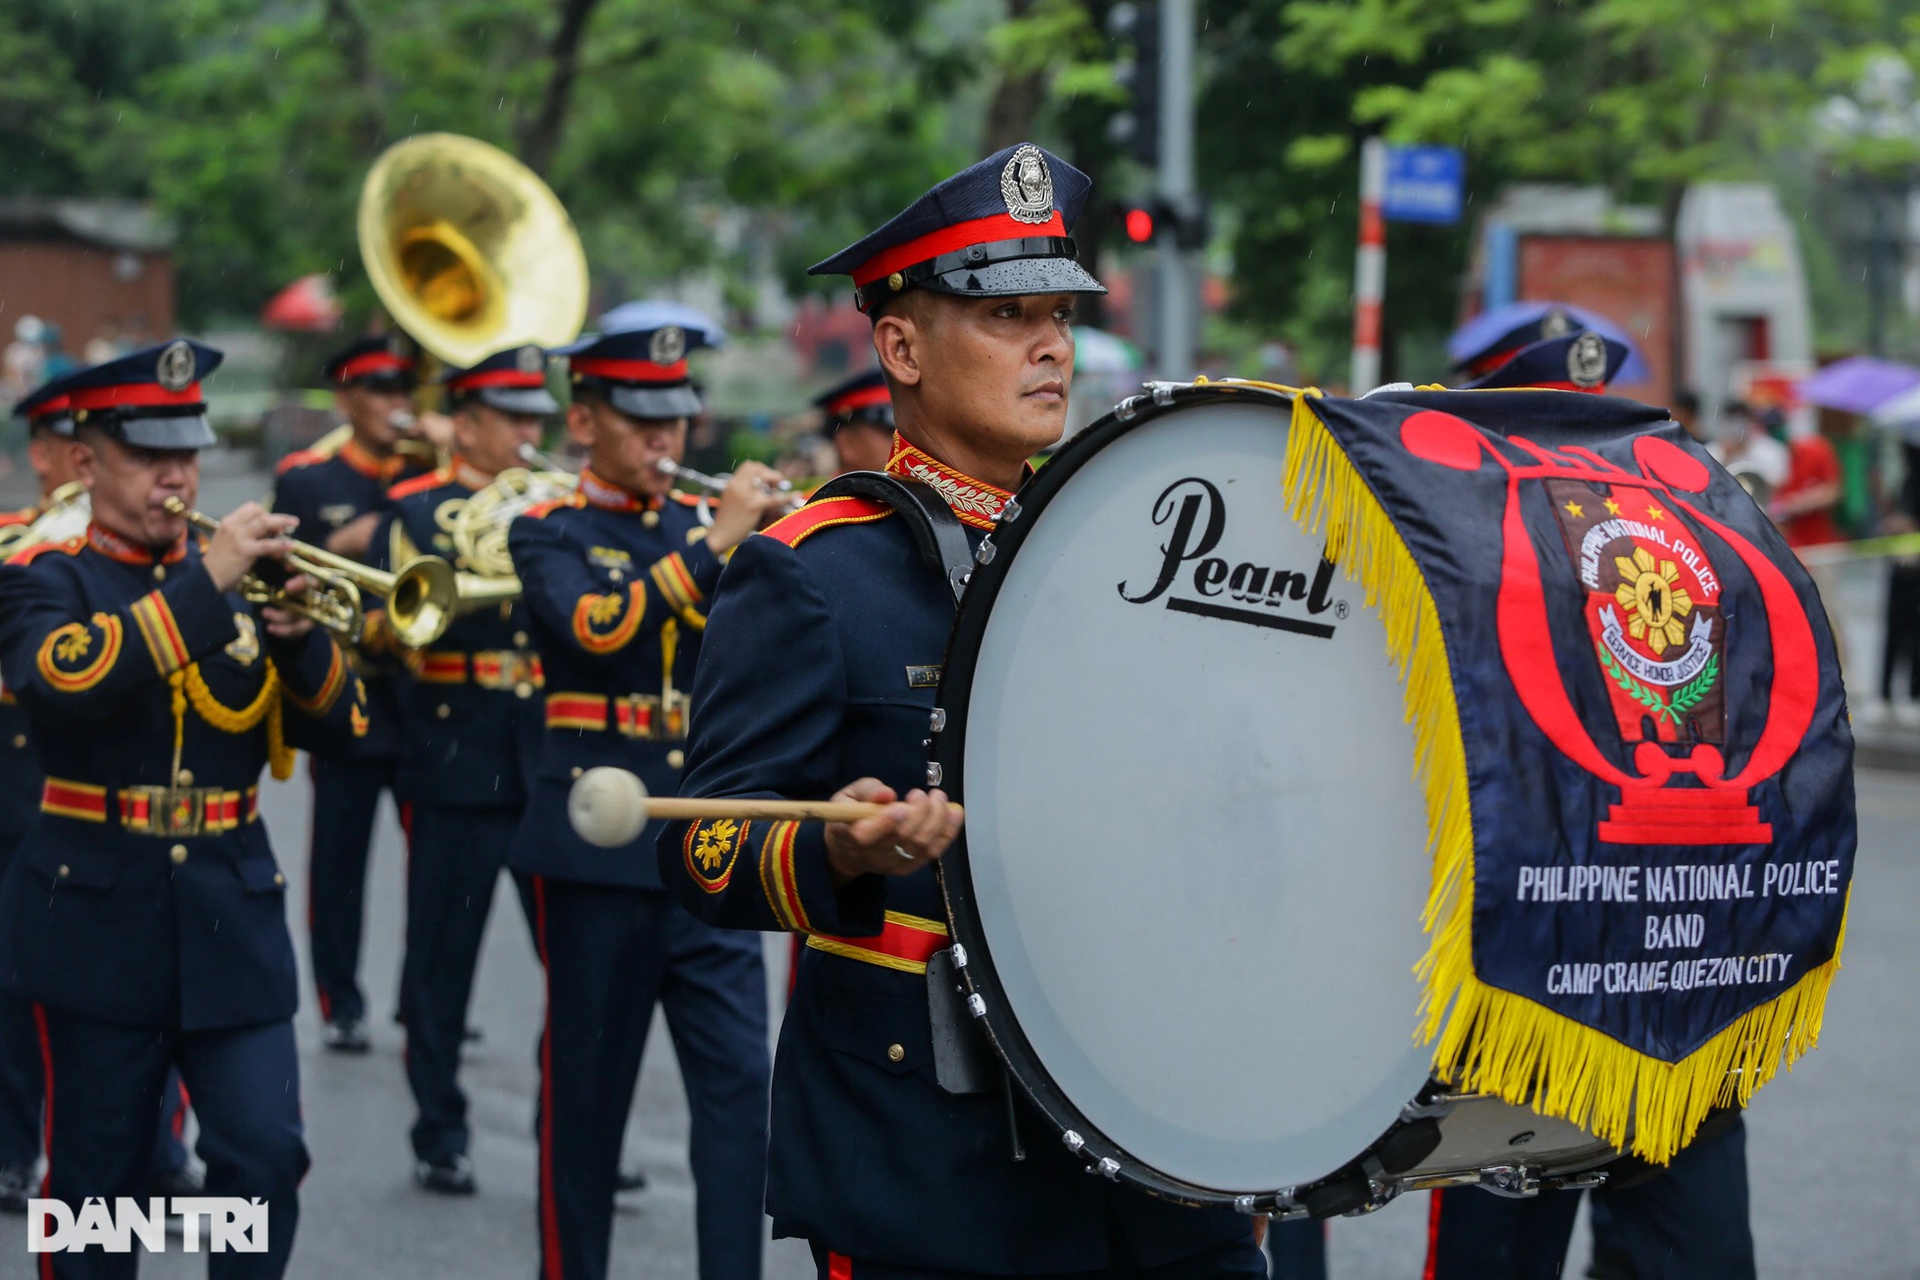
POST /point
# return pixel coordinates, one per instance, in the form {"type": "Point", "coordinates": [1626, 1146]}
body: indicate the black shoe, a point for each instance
{"type": "Point", "coordinates": [176, 1182]}
{"type": "Point", "coordinates": [347, 1035]}
{"type": "Point", "coordinates": [451, 1177]}
{"type": "Point", "coordinates": [16, 1187]}
{"type": "Point", "coordinates": [630, 1180]}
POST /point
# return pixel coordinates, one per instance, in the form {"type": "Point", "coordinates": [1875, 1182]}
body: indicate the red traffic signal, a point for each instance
{"type": "Point", "coordinates": [1139, 225]}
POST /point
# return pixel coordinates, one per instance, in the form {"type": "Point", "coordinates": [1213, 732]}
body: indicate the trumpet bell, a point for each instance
{"type": "Point", "coordinates": [422, 602]}
{"type": "Point", "coordinates": [468, 249]}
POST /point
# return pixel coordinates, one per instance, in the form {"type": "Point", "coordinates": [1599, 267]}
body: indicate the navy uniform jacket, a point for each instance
{"type": "Point", "coordinates": [328, 490]}
{"type": "Point", "coordinates": [822, 655]}
{"type": "Point", "coordinates": [470, 703]}
{"type": "Point", "coordinates": [616, 591]}
{"type": "Point", "coordinates": [130, 900]}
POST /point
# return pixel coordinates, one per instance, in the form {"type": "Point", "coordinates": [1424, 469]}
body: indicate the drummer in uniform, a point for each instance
{"type": "Point", "coordinates": [471, 702]}
{"type": "Point", "coordinates": [338, 494]}
{"type": "Point", "coordinates": [617, 580]}
{"type": "Point", "coordinates": [857, 416]}
{"type": "Point", "coordinates": [1687, 1222]}
{"type": "Point", "coordinates": [144, 914]}
{"type": "Point", "coordinates": [822, 655]}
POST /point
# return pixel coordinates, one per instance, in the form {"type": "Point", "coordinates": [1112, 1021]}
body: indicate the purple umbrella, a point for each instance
{"type": "Point", "coordinates": [1858, 384]}
{"type": "Point", "coordinates": [1489, 325]}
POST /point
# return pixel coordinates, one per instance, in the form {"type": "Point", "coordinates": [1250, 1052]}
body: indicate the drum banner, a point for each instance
{"type": "Point", "coordinates": [1631, 732]}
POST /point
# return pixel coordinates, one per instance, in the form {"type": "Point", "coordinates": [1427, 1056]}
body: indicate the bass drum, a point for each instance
{"type": "Point", "coordinates": [1188, 893]}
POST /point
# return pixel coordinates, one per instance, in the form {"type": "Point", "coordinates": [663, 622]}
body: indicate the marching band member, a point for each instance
{"type": "Point", "coordinates": [144, 914]}
{"type": "Point", "coordinates": [617, 580]}
{"type": "Point", "coordinates": [1688, 1221]}
{"type": "Point", "coordinates": [50, 452]}
{"type": "Point", "coordinates": [858, 419]}
{"type": "Point", "coordinates": [464, 713]}
{"type": "Point", "coordinates": [821, 659]}
{"type": "Point", "coordinates": [338, 496]}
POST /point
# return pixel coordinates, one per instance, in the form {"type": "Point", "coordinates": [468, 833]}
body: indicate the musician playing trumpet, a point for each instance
{"type": "Point", "coordinates": [471, 704]}
{"type": "Point", "coordinates": [337, 490]}
{"type": "Point", "coordinates": [617, 578]}
{"type": "Point", "coordinates": [144, 913]}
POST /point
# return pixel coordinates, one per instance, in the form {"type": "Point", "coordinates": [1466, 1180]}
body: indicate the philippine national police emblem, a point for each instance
{"type": "Point", "coordinates": [1027, 186]}
{"type": "Point", "coordinates": [174, 369]}
{"type": "Point", "coordinates": [668, 345]}
{"type": "Point", "coordinates": [528, 359]}
{"type": "Point", "coordinates": [1587, 360]}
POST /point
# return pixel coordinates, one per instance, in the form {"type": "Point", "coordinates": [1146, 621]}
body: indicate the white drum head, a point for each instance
{"type": "Point", "coordinates": [1193, 843]}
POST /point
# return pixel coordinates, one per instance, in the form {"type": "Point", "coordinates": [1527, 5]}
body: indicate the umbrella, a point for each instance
{"type": "Point", "coordinates": [1476, 333]}
{"type": "Point", "coordinates": [1097, 351]}
{"type": "Point", "coordinates": [305, 306]}
{"type": "Point", "coordinates": [1859, 384]}
{"type": "Point", "coordinates": [652, 313]}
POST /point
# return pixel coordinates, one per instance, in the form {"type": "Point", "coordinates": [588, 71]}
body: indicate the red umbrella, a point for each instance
{"type": "Point", "coordinates": [306, 306]}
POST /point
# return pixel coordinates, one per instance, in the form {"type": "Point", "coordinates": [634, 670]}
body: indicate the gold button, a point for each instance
{"type": "Point", "coordinates": [19, 739]}
{"type": "Point", "coordinates": [650, 518]}
{"type": "Point", "coordinates": [65, 871]}
{"type": "Point", "coordinates": [615, 574]}
{"type": "Point", "coordinates": [178, 853]}
{"type": "Point", "coordinates": [523, 690]}
{"type": "Point", "coordinates": [519, 639]}
{"type": "Point", "coordinates": [159, 573]}
{"type": "Point", "coordinates": [443, 711]}
{"type": "Point", "coordinates": [896, 281]}
{"type": "Point", "coordinates": [676, 758]}
{"type": "Point", "coordinates": [279, 878]}
{"type": "Point", "coordinates": [577, 771]}
{"type": "Point", "coordinates": [184, 778]}
{"type": "Point", "coordinates": [895, 1053]}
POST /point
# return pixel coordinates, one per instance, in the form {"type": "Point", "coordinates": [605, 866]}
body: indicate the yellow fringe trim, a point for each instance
{"type": "Point", "coordinates": [1489, 1040]}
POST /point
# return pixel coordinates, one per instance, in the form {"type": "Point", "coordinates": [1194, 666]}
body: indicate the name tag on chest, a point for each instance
{"type": "Point", "coordinates": [924, 677]}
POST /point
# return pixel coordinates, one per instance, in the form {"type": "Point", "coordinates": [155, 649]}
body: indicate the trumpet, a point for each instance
{"type": "Point", "coordinates": [717, 484]}
{"type": "Point", "coordinates": [333, 602]}
{"type": "Point", "coordinates": [423, 597]}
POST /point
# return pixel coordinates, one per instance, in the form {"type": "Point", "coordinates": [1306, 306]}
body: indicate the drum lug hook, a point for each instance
{"type": "Point", "coordinates": [1515, 1181]}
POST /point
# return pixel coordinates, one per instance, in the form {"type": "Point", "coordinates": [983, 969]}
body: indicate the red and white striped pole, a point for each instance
{"type": "Point", "coordinates": [1369, 269]}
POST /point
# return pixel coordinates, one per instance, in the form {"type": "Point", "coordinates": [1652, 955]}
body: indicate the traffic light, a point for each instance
{"type": "Point", "coordinates": [1136, 126]}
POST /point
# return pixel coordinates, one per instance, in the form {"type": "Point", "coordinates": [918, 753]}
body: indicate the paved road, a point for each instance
{"type": "Point", "coordinates": [1835, 1147]}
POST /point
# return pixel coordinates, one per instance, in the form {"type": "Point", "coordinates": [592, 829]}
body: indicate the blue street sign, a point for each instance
{"type": "Point", "coordinates": [1424, 184]}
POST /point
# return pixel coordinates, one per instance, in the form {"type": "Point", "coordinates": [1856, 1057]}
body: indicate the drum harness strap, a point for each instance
{"type": "Point", "coordinates": [963, 1061]}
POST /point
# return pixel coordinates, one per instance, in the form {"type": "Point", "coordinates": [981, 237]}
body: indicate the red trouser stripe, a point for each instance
{"type": "Point", "coordinates": [1433, 1236]}
{"type": "Point", "coordinates": [549, 1208]}
{"type": "Point", "coordinates": [46, 1076]}
{"type": "Point", "coordinates": [839, 1267]}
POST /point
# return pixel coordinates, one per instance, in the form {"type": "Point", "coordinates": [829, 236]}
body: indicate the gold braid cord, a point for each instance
{"type": "Point", "coordinates": [190, 687]}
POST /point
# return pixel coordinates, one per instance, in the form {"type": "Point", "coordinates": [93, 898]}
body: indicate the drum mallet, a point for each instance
{"type": "Point", "coordinates": [609, 807]}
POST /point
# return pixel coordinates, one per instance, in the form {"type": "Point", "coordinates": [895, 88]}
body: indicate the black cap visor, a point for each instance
{"type": "Point", "coordinates": [389, 381]}
{"type": "Point", "coordinates": [52, 424]}
{"type": "Point", "coordinates": [652, 403]}
{"type": "Point", "coordinates": [1003, 269]}
{"type": "Point", "coordinates": [526, 400]}
{"type": "Point", "coordinates": [171, 431]}
{"type": "Point", "coordinates": [877, 416]}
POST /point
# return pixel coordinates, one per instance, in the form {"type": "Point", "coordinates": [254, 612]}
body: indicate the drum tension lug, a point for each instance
{"type": "Point", "coordinates": [1515, 1181]}
{"type": "Point", "coordinates": [1129, 409]}
{"type": "Point", "coordinates": [959, 956]}
{"type": "Point", "coordinates": [1108, 1168]}
{"type": "Point", "coordinates": [1163, 392]}
{"type": "Point", "coordinates": [1010, 512]}
{"type": "Point", "coordinates": [937, 722]}
{"type": "Point", "coordinates": [976, 1006]}
{"type": "Point", "coordinates": [934, 773]}
{"type": "Point", "coordinates": [1073, 1141]}
{"type": "Point", "coordinates": [984, 553]}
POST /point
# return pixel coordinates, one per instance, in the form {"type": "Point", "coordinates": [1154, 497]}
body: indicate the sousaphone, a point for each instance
{"type": "Point", "coordinates": [468, 250]}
